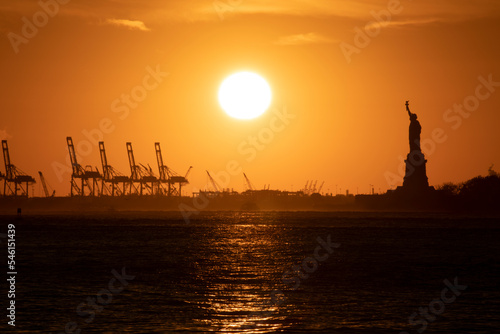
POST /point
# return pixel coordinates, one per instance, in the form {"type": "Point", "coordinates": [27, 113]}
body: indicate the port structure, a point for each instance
{"type": "Point", "coordinates": [209, 193]}
{"type": "Point", "coordinates": [111, 178]}
{"type": "Point", "coordinates": [142, 179]}
{"type": "Point", "coordinates": [313, 188]}
{"type": "Point", "coordinates": [168, 177]}
{"type": "Point", "coordinates": [89, 179]}
{"type": "Point", "coordinates": [321, 187]}
{"type": "Point", "coordinates": [217, 188]}
{"type": "Point", "coordinates": [16, 182]}
{"type": "Point", "coordinates": [310, 187]}
{"type": "Point", "coordinates": [249, 184]}
{"type": "Point", "coordinates": [45, 187]}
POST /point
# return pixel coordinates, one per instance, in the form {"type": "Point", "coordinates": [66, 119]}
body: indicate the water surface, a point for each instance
{"type": "Point", "coordinates": [216, 274]}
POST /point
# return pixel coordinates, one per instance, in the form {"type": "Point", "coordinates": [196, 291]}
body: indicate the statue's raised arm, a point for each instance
{"type": "Point", "coordinates": [408, 108]}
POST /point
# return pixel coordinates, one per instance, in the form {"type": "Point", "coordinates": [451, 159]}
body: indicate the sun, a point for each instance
{"type": "Point", "coordinates": [245, 95]}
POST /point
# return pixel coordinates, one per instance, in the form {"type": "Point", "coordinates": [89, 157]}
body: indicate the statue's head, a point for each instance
{"type": "Point", "coordinates": [413, 117]}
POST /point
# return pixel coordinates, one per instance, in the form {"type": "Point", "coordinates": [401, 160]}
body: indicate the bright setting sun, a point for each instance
{"type": "Point", "coordinates": [245, 95]}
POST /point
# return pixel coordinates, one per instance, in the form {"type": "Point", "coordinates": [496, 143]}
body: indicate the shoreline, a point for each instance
{"type": "Point", "coordinates": [386, 203]}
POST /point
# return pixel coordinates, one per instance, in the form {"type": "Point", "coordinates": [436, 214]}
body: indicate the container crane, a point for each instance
{"type": "Point", "coordinates": [321, 187]}
{"type": "Point", "coordinates": [140, 174]}
{"type": "Point", "coordinates": [168, 176]}
{"type": "Point", "coordinates": [214, 184]}
{"type": "Point", "coordinates": [16, 182]}
{"type": "Point", "coordinates": [44, 186]}
{"type": "Point", "coordinates": [313, 188]}
{"type": "Point", "coordinates": [249, 184]}
{"type": "Point", "coordinates": [88, 177]}
{"type": "Point", "coordinates": [111, 178]}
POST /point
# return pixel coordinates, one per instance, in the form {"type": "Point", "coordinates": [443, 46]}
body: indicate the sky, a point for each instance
{"type": "Point", "coordinates": [340, 71]}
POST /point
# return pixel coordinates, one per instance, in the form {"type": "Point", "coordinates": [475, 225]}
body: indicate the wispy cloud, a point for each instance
{"type": "Point", "coordinates": [444, 10]}
{"type": "Point", "coordinates": [302, 39]}
{"type": "Point", "coordinates": [396, 24]}
{"type": "Point", "coordinates": [134, 25]}
{"type": "Point", "coordinates": [161, 11]}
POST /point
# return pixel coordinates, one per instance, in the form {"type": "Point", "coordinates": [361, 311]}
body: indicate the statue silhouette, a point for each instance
{"type": "Point", "coordinates": [415, 130]}
{"type": "Point", "coordinates": [415, 182]}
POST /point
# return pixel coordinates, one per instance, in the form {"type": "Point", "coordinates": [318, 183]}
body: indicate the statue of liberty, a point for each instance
{"type": "Point", "coordinates": [415, 129]}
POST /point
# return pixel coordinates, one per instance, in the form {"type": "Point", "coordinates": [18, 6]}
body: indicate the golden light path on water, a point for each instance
{"type": "Point", "coordinates": [242, 271]}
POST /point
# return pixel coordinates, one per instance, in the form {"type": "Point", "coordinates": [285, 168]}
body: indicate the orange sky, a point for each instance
{"type": "Point", "coordinates": [345, 93]}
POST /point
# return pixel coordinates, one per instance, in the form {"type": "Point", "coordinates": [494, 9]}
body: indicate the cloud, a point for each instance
{"type": "Point", "coordinates": [303, 39]}
{"type": "Point", "coordinates": [133, 25]}
{"type": "Point", "coordinates": [161, 11]}
{"type": "Point", "coordinates": [444, 10]}
{"type": "Point", "coordinates": [396, 24]}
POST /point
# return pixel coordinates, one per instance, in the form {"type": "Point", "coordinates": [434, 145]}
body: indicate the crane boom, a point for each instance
{"type": "Point", "coordinates": [214, 184]}
{"type": "Point", "coordinates": [161, 167]}
{"type": "Point", "coordinates": [44, 186]}
{"type": "Point", "coordinates": [134, 175]}
{"type": "Point", "coordinates": [321, 187]}
{"type": "Point", "coordinates": [249, 184]}
{"type": "Point", "coordinates": [77, 169]}
{"type": "Point", "coordinates": [187, 173]}
{"type": "Point", "coordinates": [6, 159]}
{"type": "Point", "coordinates": [104, 161]}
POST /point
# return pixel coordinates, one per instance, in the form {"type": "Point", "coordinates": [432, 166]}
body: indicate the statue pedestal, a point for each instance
{"type": "Point", "coordinates": [415, 179]}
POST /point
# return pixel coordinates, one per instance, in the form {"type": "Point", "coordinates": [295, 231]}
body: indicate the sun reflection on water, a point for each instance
{"type": "Point", "coordinates": [243, 266]}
